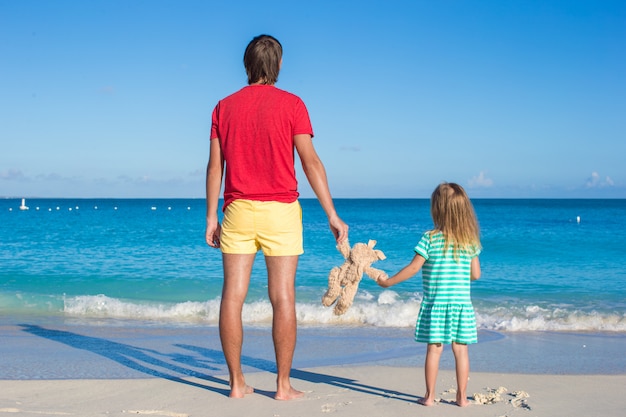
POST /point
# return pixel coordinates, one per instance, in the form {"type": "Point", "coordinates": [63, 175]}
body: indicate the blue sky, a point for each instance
{"type": "Point", "coordinates": [516, 98]}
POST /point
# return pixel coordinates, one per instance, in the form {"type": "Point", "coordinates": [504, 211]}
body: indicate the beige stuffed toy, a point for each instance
{"type": "Point", "coordinates": [343, 281]}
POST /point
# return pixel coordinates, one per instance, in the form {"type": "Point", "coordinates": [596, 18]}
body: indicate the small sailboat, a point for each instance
{"type": "Point", "coordinates": [23, 206]}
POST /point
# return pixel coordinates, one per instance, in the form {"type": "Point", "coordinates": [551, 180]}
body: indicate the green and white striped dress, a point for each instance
{"type": "Point", "coordinates": [446, 314]}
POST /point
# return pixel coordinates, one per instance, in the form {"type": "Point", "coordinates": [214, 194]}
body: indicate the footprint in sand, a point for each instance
{"type": "Point", "coordinates": [156, 413]}
{"type": "Point", "coordinates": [492, 396]}
{"type": "Point", "coordinates": [520, 400]}
{"type": "Point", "coordinates": [47, 413]}
{"type": "Point", "coordinates": [332, 407]}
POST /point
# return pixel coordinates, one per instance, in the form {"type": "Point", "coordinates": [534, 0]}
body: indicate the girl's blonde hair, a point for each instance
{"type": "Point", "coordinates": [453, 215]}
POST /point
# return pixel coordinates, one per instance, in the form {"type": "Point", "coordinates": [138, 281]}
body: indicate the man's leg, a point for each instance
{"type": "Point", "coordinates": [281, 282]}
{"type": "Point", "coordinates": [237, 269]}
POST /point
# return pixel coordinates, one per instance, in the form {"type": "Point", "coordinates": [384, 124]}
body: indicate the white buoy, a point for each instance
{"type": "Point", "coordinates": [23, 206]}
{"type": "Point", "coordinates": [578, 219]}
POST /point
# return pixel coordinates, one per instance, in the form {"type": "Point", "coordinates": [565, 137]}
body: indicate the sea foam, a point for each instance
{"type": "Point", "coordinates": [385, 310]}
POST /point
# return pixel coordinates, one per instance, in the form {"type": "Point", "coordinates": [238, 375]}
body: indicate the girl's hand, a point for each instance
{"type": "Point", "coordinates": [382, 280]}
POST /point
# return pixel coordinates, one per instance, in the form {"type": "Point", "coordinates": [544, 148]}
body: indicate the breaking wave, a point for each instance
{"type": "Point", "coordinates": [385, 310]}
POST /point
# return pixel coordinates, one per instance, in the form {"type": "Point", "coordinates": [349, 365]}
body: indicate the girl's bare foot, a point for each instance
{"type": "Point", "coordinates": [462, 401]}
{"type": "Point", "coordinates": [288, 394]}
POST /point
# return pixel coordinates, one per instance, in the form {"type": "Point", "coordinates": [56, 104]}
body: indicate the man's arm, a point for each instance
{"type": "Point", "coordinates": [316, 175]}
{"type": "Point", "coordinates": [214, 173]}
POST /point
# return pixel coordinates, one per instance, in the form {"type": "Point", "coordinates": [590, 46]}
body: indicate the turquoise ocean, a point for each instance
{"type": "Point", "coordinates": [549, 266]}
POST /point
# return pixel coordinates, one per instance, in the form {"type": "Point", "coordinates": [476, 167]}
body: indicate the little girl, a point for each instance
{"type": "Point", "coordinates": [449, 257]}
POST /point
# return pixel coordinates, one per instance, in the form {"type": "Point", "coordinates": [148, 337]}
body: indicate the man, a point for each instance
{"type": "Point", "coordinates": [253, 136]}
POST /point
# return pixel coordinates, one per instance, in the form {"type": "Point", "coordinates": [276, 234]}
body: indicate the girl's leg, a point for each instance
{"type": "Point", "coordinates": [431, 368]}
{"type": "Point", "coordinates": [461, 357]}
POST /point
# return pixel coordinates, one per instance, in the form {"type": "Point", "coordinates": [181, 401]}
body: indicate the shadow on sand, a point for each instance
{"type": "Point", "coordinates": [178, 367]}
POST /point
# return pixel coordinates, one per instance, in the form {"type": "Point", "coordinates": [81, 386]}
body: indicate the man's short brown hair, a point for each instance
{"type": "Point", "coordinates": [262, 59]}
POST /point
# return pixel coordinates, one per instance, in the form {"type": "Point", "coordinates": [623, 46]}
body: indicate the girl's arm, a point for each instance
{"type": "Point", "coordinates": [405, 273]}
{"type": "Point", "coordinates": [475, 269]}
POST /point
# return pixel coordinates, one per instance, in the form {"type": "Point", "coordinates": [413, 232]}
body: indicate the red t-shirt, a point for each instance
{"type": "Point", "coordinates": [255, 127]}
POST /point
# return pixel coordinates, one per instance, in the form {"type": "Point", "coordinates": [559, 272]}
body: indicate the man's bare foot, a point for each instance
{"type": "Point", "coordinates": [236, 392]}
{"type": "Point", "coordinates": [426, 401]}
{"type": "Point", "coordinates": [288, 394]}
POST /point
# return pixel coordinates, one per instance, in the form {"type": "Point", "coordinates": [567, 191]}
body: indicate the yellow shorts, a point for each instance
{"type": "Point", "coordinates": [273, 227]}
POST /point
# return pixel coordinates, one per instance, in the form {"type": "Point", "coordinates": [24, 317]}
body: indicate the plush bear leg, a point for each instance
{"type": "Point", "coordinates": [334, 287]}
{"type": "Point", "coordinates": [347, 297]}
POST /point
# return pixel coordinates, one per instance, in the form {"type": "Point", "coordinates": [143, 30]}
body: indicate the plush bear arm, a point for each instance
{"type": "Point", "coordinates": [375, 274]}
{"type": "Point", "coordinates": [344, 249]}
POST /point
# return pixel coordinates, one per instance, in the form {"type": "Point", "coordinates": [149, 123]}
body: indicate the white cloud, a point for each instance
{"type": "Point", "coordinates": [52, 176]}
{"type": "Point", "coordinates": [12, 175]}
{"type": "Point", "coordinates": [480, 180]}
{"type": "Point", "coordinates": [595, 181]}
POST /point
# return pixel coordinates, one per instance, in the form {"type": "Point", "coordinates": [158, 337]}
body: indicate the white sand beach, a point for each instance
{"type": "Point", "coordinates": [340, 391]}
{"type": "Point", "coordinates": [57, 367]}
